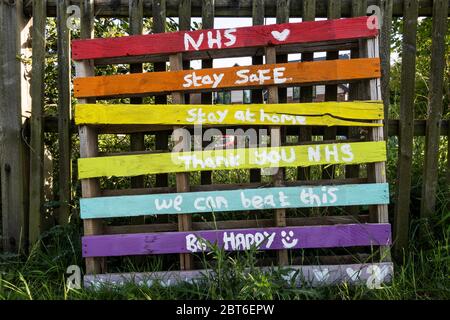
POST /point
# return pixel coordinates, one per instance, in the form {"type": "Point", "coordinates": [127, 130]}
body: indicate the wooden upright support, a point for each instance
{"type": "Point", "coordinates": [36, 123]}
{"type": "Point", "coordinates": [275, 141]}
{"type": "Point", "coordinates": [182, 179]}
{"type": "Point", "coordinates": [64, 113]}
{"type": "Point", "coordinates": [14, 108]}
{"type": "Point", "coordinates": [406, 129]}
{"type": "Point", "coordinates": [162, 138]}
{"type": "Point", "coordinates": [435, 107]}
{"type": "Point", "coordinates": [136, 26]}
{"type": "Point", "coordinates": [89, 139]}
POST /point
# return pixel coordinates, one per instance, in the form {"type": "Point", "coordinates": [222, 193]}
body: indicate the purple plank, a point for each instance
{"type": "Point", "coordinates": [348, 235]}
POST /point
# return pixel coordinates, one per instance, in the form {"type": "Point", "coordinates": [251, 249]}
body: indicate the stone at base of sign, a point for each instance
{"type": "Point", "coordinates": [373, 275]}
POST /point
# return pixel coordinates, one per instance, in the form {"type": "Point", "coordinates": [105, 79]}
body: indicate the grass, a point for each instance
{"type": "Point", "coordinates": [423, 273]}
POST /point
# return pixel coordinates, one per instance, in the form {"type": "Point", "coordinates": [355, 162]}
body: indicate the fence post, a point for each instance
{"type": "Point", "coordinates": [306, 93]}
{"type": "Point", "coordinates": [433, 127]}
{"type": "Point", "coordinates": [162, 138]}
{"type": "Point", "coordinates": [64, 112]}
{"type": "Point", "coordinates": [257, 94]}
{"type": "Point", "coordinates": [359, 8]}
{"type": "Point", "coordinates": [14, 105]}
{"type": "Point", "coordinates": [406, 129]}
{"type": "Point", "coordinates": [89, 138]}
{"type": "Point", "coordinates": [334, 12]}
{"type": "Point", "coordinates": [385, 56]}
{"type": "Point", "coordinates": [207, 97]}
{"type": "Point", "coordinates": [36, 123]}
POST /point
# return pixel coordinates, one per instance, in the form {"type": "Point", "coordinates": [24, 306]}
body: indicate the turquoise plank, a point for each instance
{"type": "Point", "coordinates": [235, 200]}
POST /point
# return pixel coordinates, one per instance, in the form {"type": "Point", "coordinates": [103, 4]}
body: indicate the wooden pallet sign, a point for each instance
{"type": "Point", "coordinates": [373, 233]}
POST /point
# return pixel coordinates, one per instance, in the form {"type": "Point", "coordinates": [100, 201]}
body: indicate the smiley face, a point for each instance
{"type": "Point", "coordinates": [287, 238]}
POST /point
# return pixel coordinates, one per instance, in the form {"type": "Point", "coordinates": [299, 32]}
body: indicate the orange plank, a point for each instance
{"type": "Point", "coordinates": [298, 73]}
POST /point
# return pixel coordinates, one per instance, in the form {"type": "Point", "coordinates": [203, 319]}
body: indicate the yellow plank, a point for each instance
{"type": "Point", "coordinates": [295, 156]}
{"type": "Point", "coordinates": [322, 113]}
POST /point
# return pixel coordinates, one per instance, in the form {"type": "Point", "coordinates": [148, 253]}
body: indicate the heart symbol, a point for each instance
{"type": "Point", "coordinates": [288, 277]}
{"type": "Point", "coordinates": [354, 275]}
{"type": "Point", "coordinates": [321, 275]}
{"type": "Point", "coordinates": [281, 36]}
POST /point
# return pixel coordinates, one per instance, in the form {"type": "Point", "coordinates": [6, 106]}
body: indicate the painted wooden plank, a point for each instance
{"type": "Point", "coordinates": [304, 275]}
{"type": "Point", "coordinates": [246, 158]}
{"type": "Point", "coordinates": [344, 235]}
{"type": "Point", "coordinates": [234, 200]}
{"type": "Point", "coordinates": [228, 78]}
{"type": "Point", "coordinates": [222, 39]}
{"type": "Point", "coordinates": [321, 113]}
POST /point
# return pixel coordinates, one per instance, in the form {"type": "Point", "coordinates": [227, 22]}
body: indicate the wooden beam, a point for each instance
{"type": "Point", "coordinates": [306, 92]}
{"type": "Point", "coordinates": [36, 122]}
{"type": "Point", "coordinates": [334, 12]}
{"type": "Point", "coordinates": [14, 104]}
{"type": "Point", "coordinates": [89, 139]}
{"type": "Point", "coordinates": [358, 9]}
{"type": "Point", "coordinates": [376, 172]}
{"type": "Point", "coordinates": [159, 27]}
{"type": "Point", "coordinates": [51, 125]}
{"type": "Point", "coordinates": [225, 8]}
{"type": "Point", "coordinates": [136, 26]}
{"type": "Point", "coordinates": [385, 55]}
{"type": "Point", "coordinates": [182, 178]}
{"type": "Point", "coordinates": [257, 95]}
{"type": "Point", "coordinates": [64, 114]}
{"type": "Point", "coordinates": [237, 224]}
{"type": "Point", "coordinates": [435, 106]}
{"type": "Point", "coordinates": [206, 97]}
{"type": "Point", "coordinates": [406, 130]}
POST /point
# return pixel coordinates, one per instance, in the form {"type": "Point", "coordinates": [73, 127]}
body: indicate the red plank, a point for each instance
{"type": "Point", "coordinates": [204, 40]}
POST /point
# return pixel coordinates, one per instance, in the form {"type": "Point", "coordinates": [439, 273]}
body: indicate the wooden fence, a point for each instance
{"type": "Point", "coordinates": [22, 96]}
